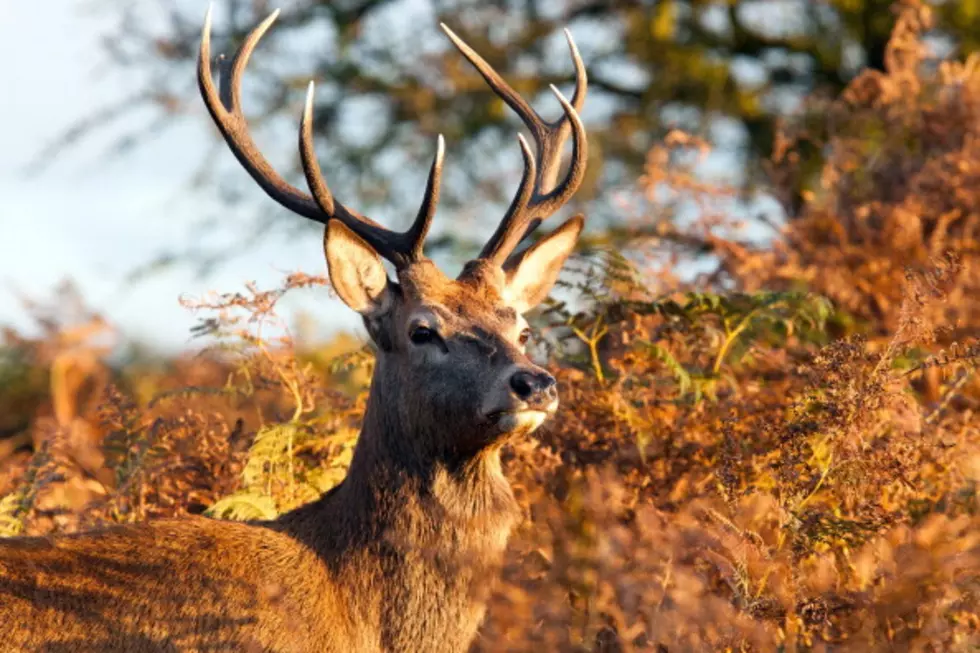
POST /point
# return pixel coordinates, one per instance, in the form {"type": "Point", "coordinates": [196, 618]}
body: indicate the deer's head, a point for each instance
{"type": "Point", "coordinates": [451, 352]}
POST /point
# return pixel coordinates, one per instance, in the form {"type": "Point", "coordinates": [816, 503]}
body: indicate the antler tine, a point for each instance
{"type": "Point", "coordinates": [513, 99]}
{"type": "Point", "coordinates": [578, 101]}
{"type": "Point", "coordinates": [225, 109]}
{"type": "Point", "coordinates": [549, 137]}
{"type": "Point", "coordinates": [547, 203]}
{"type": "Point", "coordinates": [400, 248]}
{"type": "Point", "coordinates": [506, 238]}
{"type": "Point", "coordinates": [528, 209]}
{"type": "Point", "coordinates": [231, 83]}
{"type": "Point", "coordinates": [423, 221]}
{"type": "Point", "coordinates": [231, 123]}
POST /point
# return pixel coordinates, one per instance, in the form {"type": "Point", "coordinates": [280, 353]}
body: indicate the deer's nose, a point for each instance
{"type": "Point", "coordinates": [536, 388]}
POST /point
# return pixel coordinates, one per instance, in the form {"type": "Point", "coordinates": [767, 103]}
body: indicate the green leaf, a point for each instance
{"type": "Point", "coordinates": [244, 506]}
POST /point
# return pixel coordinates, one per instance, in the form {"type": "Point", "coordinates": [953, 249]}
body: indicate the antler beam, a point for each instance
{"type": "Point", "coordinates": [543, 199]}
{"type": "Point", "coordinates": [225, 108]}
{"type": "Point", "coordinates": [537, 198]}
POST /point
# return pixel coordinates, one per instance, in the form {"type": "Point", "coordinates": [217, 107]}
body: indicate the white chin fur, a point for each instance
{"type": "Point", "coordinates": [526, 420]}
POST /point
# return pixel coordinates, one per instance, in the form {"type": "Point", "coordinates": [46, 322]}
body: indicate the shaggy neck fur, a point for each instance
{"type": "Point", "coordinates": [421, 527]}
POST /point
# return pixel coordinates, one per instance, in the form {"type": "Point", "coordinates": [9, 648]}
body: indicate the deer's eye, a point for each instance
{"type": "Point", "coordinates": [525, 336]}
{"type": "Point", "coordinates": [422, 335]}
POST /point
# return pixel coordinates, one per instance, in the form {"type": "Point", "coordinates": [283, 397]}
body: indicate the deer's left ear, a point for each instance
{"type": "Point", "coordinates": [532, 273]}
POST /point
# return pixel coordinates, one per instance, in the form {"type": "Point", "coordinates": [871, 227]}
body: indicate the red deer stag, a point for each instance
{"type": "Point", "coordinates": [398, 556]}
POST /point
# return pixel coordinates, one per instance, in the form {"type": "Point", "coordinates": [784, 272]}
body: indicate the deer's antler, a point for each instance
{"type": "Point", "coordinates": [537, 197]}
{"type": "Point", "coordinates": [225, 108]}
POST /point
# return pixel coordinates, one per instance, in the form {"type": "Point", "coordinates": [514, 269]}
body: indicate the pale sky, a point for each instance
{"type": "Point", "coordinates": [93, 217]}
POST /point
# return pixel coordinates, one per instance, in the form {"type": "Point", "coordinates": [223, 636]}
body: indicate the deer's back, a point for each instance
{"type": "Point", "coordinates": [187, 585]}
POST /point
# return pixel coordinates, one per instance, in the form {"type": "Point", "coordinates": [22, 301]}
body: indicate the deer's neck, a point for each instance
{"type": "Point", "coordinates": [390, 492]}
{"type": "Point", "coordinates": [416, 536]}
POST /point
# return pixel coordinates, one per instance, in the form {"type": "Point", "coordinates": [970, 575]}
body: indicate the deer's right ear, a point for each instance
{"type": "Point", "coordinates": [356, 271]}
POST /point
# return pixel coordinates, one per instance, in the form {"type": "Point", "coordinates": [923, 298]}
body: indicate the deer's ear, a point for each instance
{"type": "Point", "coordinates": [532, 273]}
{"type": "Point", "coordinates": [356, 271]}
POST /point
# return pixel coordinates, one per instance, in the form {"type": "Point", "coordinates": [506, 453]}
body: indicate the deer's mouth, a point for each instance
{"type": "Point", "coordinates": [524, 419]}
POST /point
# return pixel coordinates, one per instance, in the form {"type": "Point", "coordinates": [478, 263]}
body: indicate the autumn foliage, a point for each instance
{"type": "Point", "coordinates": [778, 454]}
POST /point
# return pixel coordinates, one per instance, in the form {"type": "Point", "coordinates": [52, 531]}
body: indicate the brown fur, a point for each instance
{"type": "Point", "coordinates": [396, 558]}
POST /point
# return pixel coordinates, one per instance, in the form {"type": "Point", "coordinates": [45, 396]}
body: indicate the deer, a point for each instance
{"type": "Point", "coordinates": [400, 555]}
